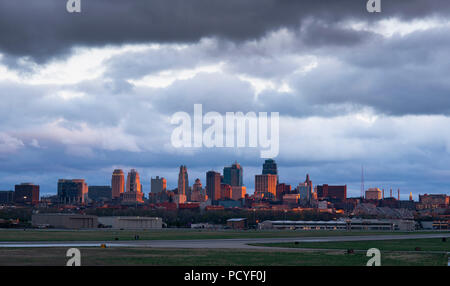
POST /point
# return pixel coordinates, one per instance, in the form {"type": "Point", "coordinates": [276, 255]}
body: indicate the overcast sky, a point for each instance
{"type": "Point", "coordinates": [82, 94]}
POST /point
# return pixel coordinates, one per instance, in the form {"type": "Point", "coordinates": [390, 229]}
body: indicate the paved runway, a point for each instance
{"type": "Point", "coordinates": [216, 243]}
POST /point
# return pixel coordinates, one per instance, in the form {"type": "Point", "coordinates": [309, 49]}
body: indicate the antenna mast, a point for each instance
{"type": "Point", "coordinates": [362, 181]}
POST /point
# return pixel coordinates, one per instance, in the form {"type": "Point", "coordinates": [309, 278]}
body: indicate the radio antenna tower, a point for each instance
{"type": "Point", "coordinates": [362, 181]}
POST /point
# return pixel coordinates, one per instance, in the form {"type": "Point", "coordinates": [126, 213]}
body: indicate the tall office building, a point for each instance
{"type": "Point", "coordinates": [133, 182]}
{"type": "Point", "coordinates": [158, 185]}
{"type": "Point", "coordinates": [198, 193]}
{"type": "Point", "coordinates": [134, 194]}
{"type": "Point", "coordinates": [238, 192]}
{"type": "Point", "coordinates": [72, 191]}
{"type": "Point", "coordinates": [183, 181]}
{"type": "Point", "coordinates": [282, 189]}
{"type": "Point", "coordinates": [213, 185]}
{"type": "Point", "coordinates": [117, 183]}
{"type": "Point", "coordinates": [26, 194]}
{"type": "Point", "coordinates": [266, 184]}
{"type": "Point", "coordinates": [270, 167]}
{"type": "Point", "coordinates": [197, 185]}
{"type": "Point", "coordinates": [233, 175]}
{"type": "Point", "coordinates": [225, 192]}
{"type": "Point", "coordinates": [306, 190]}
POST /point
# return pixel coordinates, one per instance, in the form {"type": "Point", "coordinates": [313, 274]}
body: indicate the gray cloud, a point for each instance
{"type": "Point", "coordinates": [43, 29]}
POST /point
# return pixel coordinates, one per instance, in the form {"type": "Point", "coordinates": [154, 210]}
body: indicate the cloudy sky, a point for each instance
{"type": "Point", "coordinates": [82, 94]}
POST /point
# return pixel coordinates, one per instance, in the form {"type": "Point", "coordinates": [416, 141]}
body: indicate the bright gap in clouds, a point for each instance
{"type": "Point", "coordinates": [166, 77]}
{"type": "Point", "coordinates": [393, 26]}
{"type": "Point", "coordinates": [83, 64]}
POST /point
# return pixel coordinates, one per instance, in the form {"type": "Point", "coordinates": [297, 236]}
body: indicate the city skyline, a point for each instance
{"type": "Point", "coordinates": [173, 184]}
{"type": "Point", "coordinates": [351, 88]}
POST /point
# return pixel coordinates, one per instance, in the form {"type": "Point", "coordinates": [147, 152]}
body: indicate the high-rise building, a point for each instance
{"type": "Point", "coordinates": [213, 185]}
{"type": "Point", "coordinates": [158, 185]}
{"type": "Point", "coordinates": [100, 193]}
{"type": "Point", "coordinates": [117, 183]}
{"type": "Point", "coordinates": [233, 175]}
{"type": "Point", "coordinates": [266, 184]}
{"type": "Point", "coordinates": [183, 181]}
{"type": "Point", "coordinates": [282, 189]}
{"type": "Point", "coordinates": [238, 192]}
{"type": "Point", "coordinates": [72, 191]}
{"type": "Point", "coordinates": [270, 167]}
{"type": "Point", "coordinates": [225, 192]}
{"type": "Point", "coordinates": [134, 194]}
{"type": "Point", "coordinates": [198, 193]}
{"type": "Point", "coordinates": [26, 194]}
{"type": "Point", "coordinates": [133, 182]}
{"type": "Point", "coordinates": [197, 185]}
{"type": "Point", "coordinates": [305, 190]}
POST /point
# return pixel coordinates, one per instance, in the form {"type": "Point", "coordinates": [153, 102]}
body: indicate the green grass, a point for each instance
{"type": "Point", "coordinates": [203, 257]}
{"type": "Point", "coordinates": [165, 234]}
{"type": "Point", "coordinates": [428, 244]}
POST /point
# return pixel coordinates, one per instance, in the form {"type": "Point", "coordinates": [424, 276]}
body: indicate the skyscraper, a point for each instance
{"type": "Point", "coordinates": [238, 192]}
{"type": "Point", "coordinates": [213, 185]}
{"type": "Point", "coordinates": [305, 190]}
{"type": "Point", "coordinates": [270, 167]}
{"type": "Point", "coordinates": [198, 193]}
{"type": "Point", "coordinates": [233, 175]}
{"type": "Point", "coordinates": [183, 181]}
{"type": "Point", "coordinates": [117, 183]}
{"type": "Point", "coordinates": [158, 185]}
{"type": "Point", "coordinates": [133, 182]}
{"type": "Point", "coordinates": [225, 191]}
{"type": "Point", "coordinates": [266, 184]}
{"type": "Point", "coordinates": [134, 194]}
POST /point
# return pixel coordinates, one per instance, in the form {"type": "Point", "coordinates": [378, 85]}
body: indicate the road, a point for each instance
{"type": "Point", "coordinates": [216, 243]}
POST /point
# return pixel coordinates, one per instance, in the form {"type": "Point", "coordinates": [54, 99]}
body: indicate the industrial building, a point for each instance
{"type": "Point", "coordinates": [131, 222]}
{"type": "Point", "coordinates": [374, 194]}
{"type": "Point", "coordinates": [237, 223]}
{"type": "Point", "coordinates": [69, 221]}
{"type": "Point", "coordinates": [349, 224]}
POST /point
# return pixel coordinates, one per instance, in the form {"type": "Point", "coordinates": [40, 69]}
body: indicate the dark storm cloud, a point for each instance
{"type": "Point", "coordinates": [398, 76]}
{"type": "Point", "coordinates": [43, 29]}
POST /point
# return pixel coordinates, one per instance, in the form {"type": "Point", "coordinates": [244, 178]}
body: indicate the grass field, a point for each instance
{"type": "Point", "coordinates": [429, 244]}
{"type": "Point", "coordinates": [164, 234]}
{"type": "Point", "coordinates": [200, 257]}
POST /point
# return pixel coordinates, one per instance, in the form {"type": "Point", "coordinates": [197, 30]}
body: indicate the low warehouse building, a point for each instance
{"type": "Point", "coordinates": [237, 223]}
{"type": "Point", "coordinates": [131, 222]}
{"type": "Point", "coordinates": [349, 224]}
{"type": "Point", "coordinates": [70, 221]}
